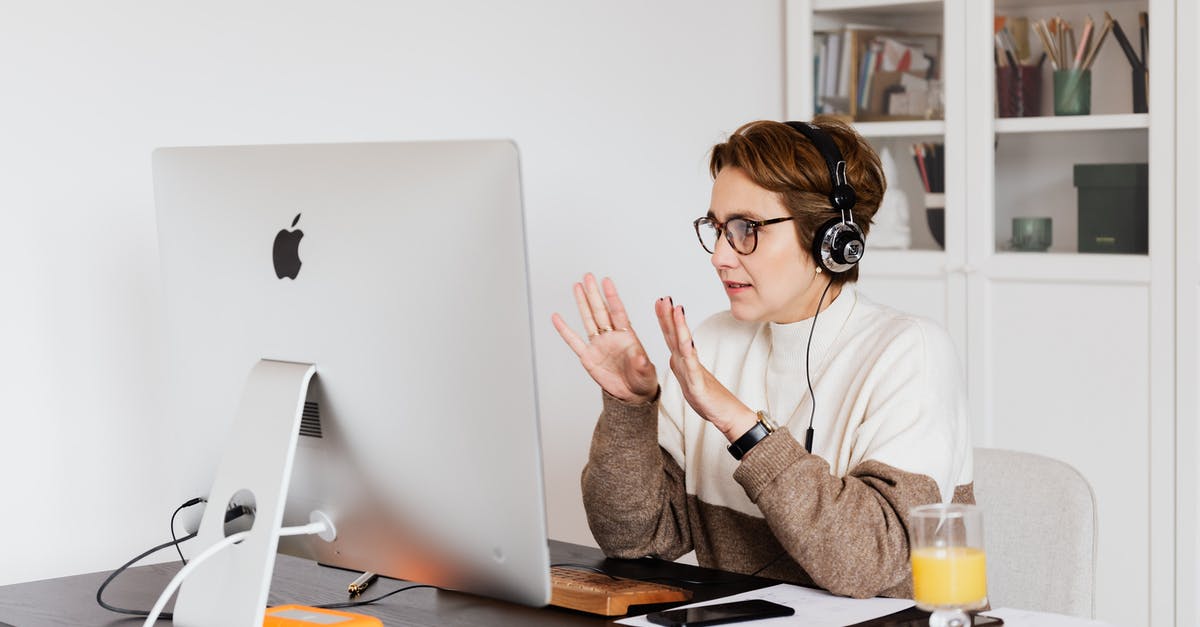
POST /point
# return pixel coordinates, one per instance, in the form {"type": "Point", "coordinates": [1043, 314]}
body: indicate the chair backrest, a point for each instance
{"type": "Point", "coordinates": [1039, 531]}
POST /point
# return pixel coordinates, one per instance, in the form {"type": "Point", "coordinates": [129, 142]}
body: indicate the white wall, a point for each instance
{"type": "Point", "coordinates": [614, 104]}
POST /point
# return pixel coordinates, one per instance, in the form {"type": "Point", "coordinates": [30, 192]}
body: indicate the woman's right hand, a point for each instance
{"type": "Point", "coordinates": [612, 352]}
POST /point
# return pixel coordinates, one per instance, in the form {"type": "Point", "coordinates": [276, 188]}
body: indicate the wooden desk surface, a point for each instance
{"type": "Point", "coordinates": [72, 600]}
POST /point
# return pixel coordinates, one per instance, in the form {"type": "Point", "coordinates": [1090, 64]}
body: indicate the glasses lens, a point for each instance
{"type": "Point", "coordinates": [706, 230]}
{"type": "Point", "coordinates": [742, 235]}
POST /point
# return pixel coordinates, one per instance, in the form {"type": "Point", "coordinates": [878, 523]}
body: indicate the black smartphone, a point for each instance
{"type": "Point", "coordinates": [721, 613]}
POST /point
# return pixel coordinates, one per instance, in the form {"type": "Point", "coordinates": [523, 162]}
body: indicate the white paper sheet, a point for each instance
{"type": "Point", "coordinates": [1026, 618]}
{"type": "Point", "coordinates": [814, 608]}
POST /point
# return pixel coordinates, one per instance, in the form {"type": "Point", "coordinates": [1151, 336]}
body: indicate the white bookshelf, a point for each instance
{"type": "Point", "coordinates": [892, 6]}
{"type": "Point", "coordinates": [915, 128]}
{"type": "Point", "coordinates": [1073, 123]}
{"type": "Point", "coordinates": [1067, 354]}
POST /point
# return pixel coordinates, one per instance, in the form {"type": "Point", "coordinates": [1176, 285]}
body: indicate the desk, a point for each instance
{"type": "Point", "coordinates": [70, 601]}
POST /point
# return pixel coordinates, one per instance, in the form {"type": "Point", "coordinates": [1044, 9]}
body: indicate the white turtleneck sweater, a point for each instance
{"type": "Point", "coordinates": [891, 431]}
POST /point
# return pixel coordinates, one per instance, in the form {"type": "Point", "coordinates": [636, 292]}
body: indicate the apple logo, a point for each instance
{"type": "Point", "coordinates": [287, 251]}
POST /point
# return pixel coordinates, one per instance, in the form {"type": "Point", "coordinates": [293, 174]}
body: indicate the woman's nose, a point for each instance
{"type": "Point", "coordinates": [723, 255]}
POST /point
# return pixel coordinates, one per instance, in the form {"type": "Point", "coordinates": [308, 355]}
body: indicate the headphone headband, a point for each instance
{"type": "Point", "coordinates": [828, 149]}
{"type": "Point", "coordinates": [841, 195]}
{"type": "Point", "coordinates": [839, 243]}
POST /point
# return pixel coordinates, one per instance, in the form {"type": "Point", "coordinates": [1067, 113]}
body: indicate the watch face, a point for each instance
{"type": "Point", "coordinates": [766, 421]}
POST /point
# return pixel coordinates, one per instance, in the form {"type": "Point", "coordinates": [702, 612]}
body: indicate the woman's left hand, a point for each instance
{"type": "Point", "coordinates": [707, 396]}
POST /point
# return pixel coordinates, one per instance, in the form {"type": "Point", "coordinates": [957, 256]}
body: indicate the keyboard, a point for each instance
{"type": "Point", "coordinates": [597, 593]}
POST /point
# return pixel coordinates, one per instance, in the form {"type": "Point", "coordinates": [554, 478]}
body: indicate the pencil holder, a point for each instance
{"type": "Point", "coordinates": [1141, 85]}
{"type": "Point", "coordinates": [935, 217]}
{"type": "Point", "coordinates": [1019, 91]}
{"type": "Point", "coordinates": [1072, 92]}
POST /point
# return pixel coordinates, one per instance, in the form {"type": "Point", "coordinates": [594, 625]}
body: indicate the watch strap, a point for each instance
{"type": "Point", "coordinates": [760, 430]}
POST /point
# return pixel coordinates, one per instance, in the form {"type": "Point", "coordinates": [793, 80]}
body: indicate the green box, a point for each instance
{"type": "Point", "coordinates": [1113, 207]}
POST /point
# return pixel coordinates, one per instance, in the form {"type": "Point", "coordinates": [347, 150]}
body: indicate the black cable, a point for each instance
{"type": "Point", "coordinates": [233, 514]}
{"type": "Point", "coordinates": [808, 435]}
{"type": "Point", "coordinates": [195, 501]}
{"type": "Point", "coordinates": [808, 439]}
{"type": "Point", "coordinates": [345, 604]}
{"type": "Point", "coordinates": [693, 582]}
{"type": "Point", "coordinates": [113, 575]}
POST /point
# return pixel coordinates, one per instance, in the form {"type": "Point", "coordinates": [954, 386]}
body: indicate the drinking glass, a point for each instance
{"type": "Point", "coordinates": [948, 562]}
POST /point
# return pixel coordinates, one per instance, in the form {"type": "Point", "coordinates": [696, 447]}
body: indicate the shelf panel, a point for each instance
{"type": "Point", "coordinates": [1072, 267]}
{"type": "Point", "coordinates": [1012, 266]}
{"type": "Point", "coordinates": [1009, 5]}
{"type": "Point", "coordinates": [914, 128]}
{"type": "Point", "coordinates": [893, 6]}
{"type": "Point", "coordinates": [894, 263]}
{"type": "Point", "coordinates": [1071, 123]}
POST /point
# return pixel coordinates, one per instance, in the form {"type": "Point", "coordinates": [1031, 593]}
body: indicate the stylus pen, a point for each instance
{"type": "Point", "coordinates": [360, 585]}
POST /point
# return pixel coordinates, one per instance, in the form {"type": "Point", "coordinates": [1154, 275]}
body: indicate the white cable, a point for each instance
{"type": "Point", "coordinates": [310, 528]}
{"type": "Point", "coordinates": [187, 570]}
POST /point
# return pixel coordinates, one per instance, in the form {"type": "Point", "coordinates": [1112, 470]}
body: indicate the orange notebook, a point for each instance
{"type": "Point", "coordinates": [304, 616]}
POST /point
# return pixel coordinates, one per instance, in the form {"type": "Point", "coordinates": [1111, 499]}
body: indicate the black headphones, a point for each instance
{"type": "Point", "coordinates": [839, 243]}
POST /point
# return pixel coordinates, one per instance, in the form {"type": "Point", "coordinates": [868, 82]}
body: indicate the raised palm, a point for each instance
{"type": "Point", "coordinates": [612, 353]}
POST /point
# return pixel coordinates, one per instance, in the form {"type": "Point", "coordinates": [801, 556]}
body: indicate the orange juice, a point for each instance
{"type": "Point", "coordinates": [949, 577]}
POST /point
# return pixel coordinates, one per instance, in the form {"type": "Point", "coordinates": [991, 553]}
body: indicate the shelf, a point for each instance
{"type": "Point", "coordinates": [1070, 123]}
{"type": "Point", "coordinates": [1069, 267]}
{"type": "Point", "coordinates": [893, 6]}
{"type": "Point", "coordinates": [895, 263]}
{"type": "Point", "coordinates": [1012, 266]}
{"type": "Point", "coordinates": [914, 128]}
{"type": "Point", "coordinates": [1009, 5]}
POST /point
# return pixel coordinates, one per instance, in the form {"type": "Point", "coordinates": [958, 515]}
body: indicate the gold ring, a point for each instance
{"type": "Point", "coordinates": [605, 330]}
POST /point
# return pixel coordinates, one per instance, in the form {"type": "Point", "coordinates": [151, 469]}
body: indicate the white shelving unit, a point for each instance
{"type": "Point", "coordinates": [1067, 124]}
{"type": "Point", "coordinates": [917, 128]}
{"type": "Point", "coordinates": [1187, 304]}
{"type": "Point", "coordinates": [1069, 355]}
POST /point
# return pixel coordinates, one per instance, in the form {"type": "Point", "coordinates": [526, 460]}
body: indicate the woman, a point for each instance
{"type": "Point", "coordinates": [698, 463]}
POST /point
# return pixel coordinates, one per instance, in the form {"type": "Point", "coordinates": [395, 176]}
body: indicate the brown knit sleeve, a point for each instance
{"type": "Point", "coordinates": [848, 533]}
{"type": "Point", "coordinates": [633, 490]}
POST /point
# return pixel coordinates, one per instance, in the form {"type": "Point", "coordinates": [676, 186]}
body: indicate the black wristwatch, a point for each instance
{"type": "Point", "coordinates": [761, 429]}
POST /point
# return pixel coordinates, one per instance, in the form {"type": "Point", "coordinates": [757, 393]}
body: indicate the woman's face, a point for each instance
{"type": "Point", "coordinates": [778, 282]}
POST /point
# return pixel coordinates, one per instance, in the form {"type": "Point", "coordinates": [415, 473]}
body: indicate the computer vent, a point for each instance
{"type": "Point", "coordinates": [310, 421]}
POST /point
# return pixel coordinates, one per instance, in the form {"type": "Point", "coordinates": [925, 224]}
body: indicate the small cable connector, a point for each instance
{"type": "Point", "coordinates": [360, 585]}
{"type": "Point", "coordinates": [190, 502]}
{"type": "Point", "coordinates": [237, 511]}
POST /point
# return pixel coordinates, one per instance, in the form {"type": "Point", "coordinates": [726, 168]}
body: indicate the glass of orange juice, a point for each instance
{"type": "Point", "coordinates": [948, 562]}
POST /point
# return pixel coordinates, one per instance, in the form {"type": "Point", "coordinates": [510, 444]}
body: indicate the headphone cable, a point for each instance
{"type": "Point", "coordinates": [808, 435]}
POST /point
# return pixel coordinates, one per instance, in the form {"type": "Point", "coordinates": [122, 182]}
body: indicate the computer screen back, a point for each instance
{"type": "Point", "coordinates": [399, 269]}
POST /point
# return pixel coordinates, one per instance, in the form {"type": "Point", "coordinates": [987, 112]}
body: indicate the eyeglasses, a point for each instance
{"type": "Point", "coordinates": [742, 234]}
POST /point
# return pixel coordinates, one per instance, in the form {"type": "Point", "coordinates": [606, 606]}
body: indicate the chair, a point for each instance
{"type": "Point", "coordinates": [1039, 531]}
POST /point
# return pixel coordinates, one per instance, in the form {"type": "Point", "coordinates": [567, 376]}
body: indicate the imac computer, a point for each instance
{"type": "Point", "coordinates": [349, 339]}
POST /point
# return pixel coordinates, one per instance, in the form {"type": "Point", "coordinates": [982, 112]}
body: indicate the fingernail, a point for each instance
{"type": "Point", "coordinates": [693, 343]}
{"type": "Point", "coordinates": [672, 301]}
{"type": "Point", "coordinates": [681, 310]}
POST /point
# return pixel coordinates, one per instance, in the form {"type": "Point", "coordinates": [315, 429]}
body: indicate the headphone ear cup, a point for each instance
{"type": "Point", "coordinates": [838, 246]}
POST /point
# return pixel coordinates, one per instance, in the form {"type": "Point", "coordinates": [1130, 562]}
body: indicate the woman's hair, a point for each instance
{"type": "Point", "coordinates": [781, 159]}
